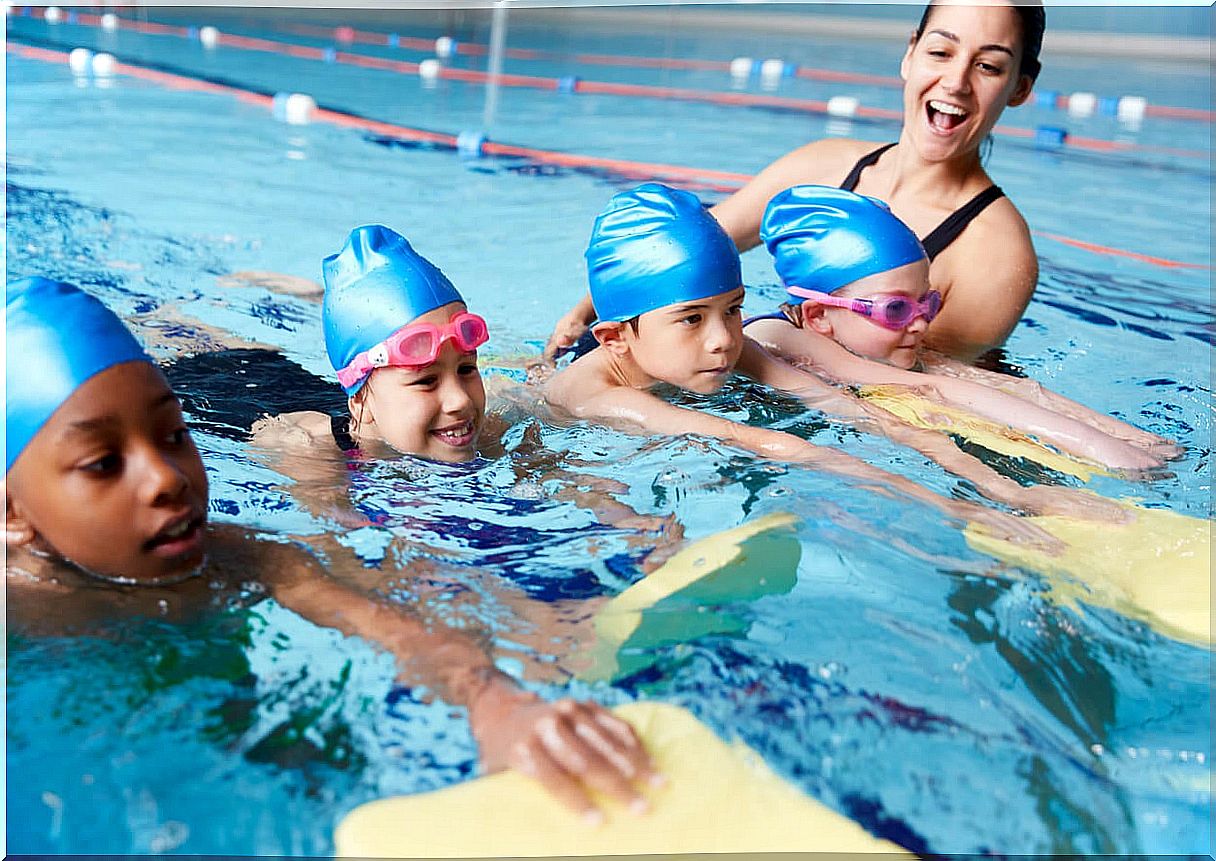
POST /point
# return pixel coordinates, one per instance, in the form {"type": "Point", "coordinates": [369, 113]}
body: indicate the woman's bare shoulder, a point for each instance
{"type": "Point", "coordinates": [1000, 229]}
{"type": "Point", "coordinates": [827, 161]}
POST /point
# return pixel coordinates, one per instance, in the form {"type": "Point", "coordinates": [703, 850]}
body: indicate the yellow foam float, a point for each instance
{"type": "Point", "coordinates": [1156, 568]}
{"type": "Point", "coordinates": [923, 413]}
{"type": "Point", "coordinates": [718, 798]}
{"type": "Point", "coordinates": [689, 595]}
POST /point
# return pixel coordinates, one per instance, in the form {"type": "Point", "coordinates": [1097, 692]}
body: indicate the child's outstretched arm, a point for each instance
{"type": "Point", "coordinates": [1035, 392]}
{"type": "Point", "coordinates": [570, 747]}
{"type": "Point", "coordinates": [1071, 435]}
{"type": "Point", "coordinates": [765, 368]}
{"type": "Point", "coordinates": [638, 410]}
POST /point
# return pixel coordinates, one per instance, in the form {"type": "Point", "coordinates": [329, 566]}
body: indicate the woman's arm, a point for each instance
{"type": "Point", "coordinates": [570, 327]}
{"type": "Point", "coordinates": [569, 747]}
{"type": "Point", "coordinates": [818, 162]}
{"type": "Point", "coordinates": [989, 276]}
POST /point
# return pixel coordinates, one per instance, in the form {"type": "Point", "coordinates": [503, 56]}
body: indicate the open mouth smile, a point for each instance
{"type": "Point", "coordinates": [457, 436]}
{"type": "Point", "coordinates": [944, 116]}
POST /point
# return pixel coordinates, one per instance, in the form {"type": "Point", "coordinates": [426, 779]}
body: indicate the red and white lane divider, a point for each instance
{"type": "Point", "coordinates": [431, 69]}
{"type": "Point", "coordinates": [1129, 108]}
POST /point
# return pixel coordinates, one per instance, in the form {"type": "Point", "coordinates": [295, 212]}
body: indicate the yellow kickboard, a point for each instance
{"type": "Point", "coordinates": [718, 798]}
{"type": "Point", "coordinates": [1156, 568]}
{"type": "Point", "coordinates": [677, 602]}
{"type": "Point", "coordinates": [923, 413]}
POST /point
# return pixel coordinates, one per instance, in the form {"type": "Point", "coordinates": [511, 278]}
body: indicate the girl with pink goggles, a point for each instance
{"type": "Point", "coordinates": [891, 312]}
{"type": "Point", "coordinates": [416, 346]}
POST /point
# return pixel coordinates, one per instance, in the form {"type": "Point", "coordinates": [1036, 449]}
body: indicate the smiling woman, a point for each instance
{"type": "Point", "coordinates": [963, 66]}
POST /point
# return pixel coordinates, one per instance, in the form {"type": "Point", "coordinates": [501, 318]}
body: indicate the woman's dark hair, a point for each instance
{"type": "Point", "coordinates": [1034, 22]}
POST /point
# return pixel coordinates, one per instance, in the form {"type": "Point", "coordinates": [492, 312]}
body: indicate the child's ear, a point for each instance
{"type": "Point", "coordinates": [814, 319]}
{"type": "Point", "coordinates": [611, 335]}
{"type": "Point", "coordinates": [18, 530]}
{"type": "Point", "coordinates": [360, 411]}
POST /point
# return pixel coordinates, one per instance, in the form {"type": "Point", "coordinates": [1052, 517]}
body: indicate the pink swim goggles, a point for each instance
{"type": "Point", "coordinates": [891, 312]}
{"type": "Point", "coordinates": [417, 345]}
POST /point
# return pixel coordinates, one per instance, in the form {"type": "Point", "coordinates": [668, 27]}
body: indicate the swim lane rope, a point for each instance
{"type": "Point", "coordinates": [697, 178]}
{"type": "Point", "coordinates": [413, 43]}
{"type": "Point", "coordinates": [574, 85]}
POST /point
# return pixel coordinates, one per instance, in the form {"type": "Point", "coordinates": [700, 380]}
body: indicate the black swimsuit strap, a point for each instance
{"type": "Point", "coordinates": [946, 232]}
{"type": "Point", "coordinates": [850, 181]}
{"type": "Point", "coordinates": [340, 427]}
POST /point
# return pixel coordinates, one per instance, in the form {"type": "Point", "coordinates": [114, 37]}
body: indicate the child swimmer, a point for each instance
{"type": "Point", "coordinates": [666, 285]}
{"type": "Point", "coordinates": [861, 303]}
{"type": "Point", "coordinates": [404, 346]}
{"type": "Point", "coordinates": [106, 512]}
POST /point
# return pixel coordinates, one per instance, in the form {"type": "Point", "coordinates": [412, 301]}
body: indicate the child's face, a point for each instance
{"type": "Point", "coordinates": [693, 345]}
{"type": "Point", "coordinates": [113, 482]}
{"type": "Point", "coordinates": [435, 411]}
{"type": "Point", "coordinates": [861, 334]}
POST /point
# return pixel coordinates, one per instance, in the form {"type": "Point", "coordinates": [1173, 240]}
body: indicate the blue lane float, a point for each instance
{"type": "Point", "coordinates": [567, 84]}
{"type": "Point", "coordinates": [471, 143]}
{"type": "Point", "coordinates": [1050, 137]}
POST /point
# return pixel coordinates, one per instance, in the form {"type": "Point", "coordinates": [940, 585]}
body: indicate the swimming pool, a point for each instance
{"type": "Point", "coordinates": [953, 712]}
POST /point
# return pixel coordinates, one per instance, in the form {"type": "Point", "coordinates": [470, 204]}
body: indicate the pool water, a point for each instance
{"type": "Point", "coordinates": [951, 711]}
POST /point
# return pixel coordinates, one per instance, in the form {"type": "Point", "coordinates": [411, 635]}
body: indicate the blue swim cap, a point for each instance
{"type": "Point", "coordinates": [823, 238]}
{"type": "Point", "coordinates": [58, 337]}
{"type": "Point", "coordinates": [655, 246]}
{"type": "Point", "coordinates": [375, 285]}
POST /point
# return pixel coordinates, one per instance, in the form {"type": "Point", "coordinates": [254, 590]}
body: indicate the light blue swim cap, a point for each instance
{"type": "Point", "coordinates": [655, 246]}
{"type": "Point", "coordinates": [375, 285]}
{"type": "Point", "coordinates": [823, 238]}
{"type": "Point", "coordinates": [58, 337]}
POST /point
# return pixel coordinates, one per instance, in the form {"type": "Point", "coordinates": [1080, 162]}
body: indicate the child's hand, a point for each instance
{"type": "Point", "coordinates": [1066, 501]}
{"type": "Point", "coordinates": [570, 747]}
{"type": "Point", "coordinates": [1165, 449]}
{"type": "Point", "coordinates": [1008, 527]}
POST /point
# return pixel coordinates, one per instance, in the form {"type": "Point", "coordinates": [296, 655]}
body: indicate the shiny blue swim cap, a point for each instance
{"type": "Point", "coordinates": [655, 246]}
{"type": "Point", "coordinates": [823, 238]}
{"type": "Point", "coordinates": [375, 285]}
{"type": "Point", "coordinates": [58, 337]}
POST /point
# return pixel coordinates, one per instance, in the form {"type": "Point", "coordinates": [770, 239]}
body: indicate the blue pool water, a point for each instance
{"type": "Point", "coordinates": [955, 712]}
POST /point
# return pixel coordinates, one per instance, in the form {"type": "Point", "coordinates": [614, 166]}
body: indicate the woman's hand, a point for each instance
{"type": "Point", "coordinates": [565, 334]}
{"type": "Point", "coordinates": [570, 328]}
{"type": "Point", "coordinates": [570, 747]}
